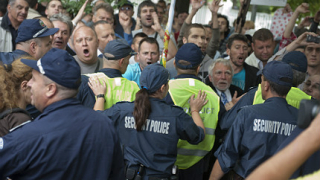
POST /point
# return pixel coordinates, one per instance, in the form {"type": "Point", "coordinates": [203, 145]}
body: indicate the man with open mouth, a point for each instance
{"type": "Point", "coordinates": [85, 43]}
{"type": "Point", "coordinates": [245, 76]}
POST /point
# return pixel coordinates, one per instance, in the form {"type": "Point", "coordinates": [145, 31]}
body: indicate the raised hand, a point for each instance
{"type": "Point", "coordinates": [214, 6]}
{"type": "Point", "coordinates": [156, 26]}
{"type": "Point", "coordinates": [317, 17]}
{"type": "Point", "coordinates": [197, 4]}
{"type": "Point", "coordinates": [125, 22]}
{"type": "Point", "coordinates": [303, 8]}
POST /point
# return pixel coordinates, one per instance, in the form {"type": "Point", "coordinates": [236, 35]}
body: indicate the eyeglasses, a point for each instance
{"type": "Point", "coordinates": [39, 32]}
{"type": "Point", "coordinates": [125, 8]}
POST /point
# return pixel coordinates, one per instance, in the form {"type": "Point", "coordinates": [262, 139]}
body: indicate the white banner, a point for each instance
{"type": "Point", "coordinates": [280, 3]}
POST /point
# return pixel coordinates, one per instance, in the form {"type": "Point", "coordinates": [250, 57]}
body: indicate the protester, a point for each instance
{"type": "Point", "coordinates": [150, 150]}
{"type": "Point", "coordinates": [10, 22]}
{"type": "Point", "coordinates": [152, 27]}
{"type": "Point", "coordinates": [220, 75]}
{"type": "Point", "coordinates": [312, 86]}
{"type": "Point", "coordinates": [126, 8]}
{"type": "Point", "coordinates": [53, 7]}
{"type": "Point", "coordinates": [105, 34]}
{"type": "Point", "coordinates": [135, 47]}
{"type": "Point", "coordinates": [148, 53]}
{"type": "Point", "coordinates": [245, 76]}
{"type": "Point", "coordinates": [67, 140]}
{"type": "Point", "coordinates": [85, 44]}
{"type": "Point", "coordinates": [14, 95]}
{"type": "Point", "coordinates": [60, 39]}
{"type": "Point", "coordinates": [32, 11]}
{"type": "Point", "coordinates": [262, 46]}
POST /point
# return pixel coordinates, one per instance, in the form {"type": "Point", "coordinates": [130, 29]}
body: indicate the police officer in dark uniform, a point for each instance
{"type": "Point", "coordinates": [298, 62]}
{"type": "Point", "coordinates": [258, 130]}
{"type": "Point", "coordinates": [149, 129]}
{"type": "Point", "coordinates": [115, 62]}
{"type": "Point", "coordinates": [67, 141]}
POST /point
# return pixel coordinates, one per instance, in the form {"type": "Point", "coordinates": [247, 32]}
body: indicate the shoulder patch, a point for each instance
{"type": "Point", "coordinates": [1, 143]}
{"type": "Point", "coordinates": [20, 125]}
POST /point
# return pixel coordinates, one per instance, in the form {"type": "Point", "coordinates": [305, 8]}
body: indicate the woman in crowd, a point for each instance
{"type": "Point", "coordinates": [15, 95]}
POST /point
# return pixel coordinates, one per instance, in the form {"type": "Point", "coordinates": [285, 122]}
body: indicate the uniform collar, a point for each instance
{"type": "Point", "coordinates": [111, 73]}
{"type": "Point", "coordinates": [277, 100]}
{"type": "Point", "coordinates": [187, 76]}
{"type": "Point", "coordinates": [58, 105]}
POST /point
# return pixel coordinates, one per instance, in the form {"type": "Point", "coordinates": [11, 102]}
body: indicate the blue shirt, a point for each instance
{"type": "Point", "coordinates": [85, 94]}
{"type": "Point", "coordinates": [9, 57]}
{"type": "Point", "coordinates": [239, 79]}
{"type": "Point", "coordinates": [156, 145]}
{"type": "Point", "coordinates": [67, 141]}
{"type": "Point", "coordinates": [133, 73]}
{"type": "Point", "coordinates": [255, 135]}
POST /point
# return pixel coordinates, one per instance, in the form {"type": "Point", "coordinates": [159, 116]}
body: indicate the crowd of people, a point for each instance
{"type": "Point", "coordinates": [86, 97]}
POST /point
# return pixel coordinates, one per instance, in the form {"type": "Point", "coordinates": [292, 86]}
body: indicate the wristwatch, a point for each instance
{"type": "Point", "coordinates": [100, 96]}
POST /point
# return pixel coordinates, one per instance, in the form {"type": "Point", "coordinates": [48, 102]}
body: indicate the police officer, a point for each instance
{"type": "Point", "coordinates": [298, 62]}
{"type": "Point", "coordinates": [149, 129]}
{"type": "Point", "coordinates": [67, 141]}
{"type": "Point", "coordinates": [191, 159]}
{"type": "Point", "coordinates": [33, 40]}
{"type": "Point", "coordinates": [258, 130]}
{"type": "Point", "coordinates": [115, 61]}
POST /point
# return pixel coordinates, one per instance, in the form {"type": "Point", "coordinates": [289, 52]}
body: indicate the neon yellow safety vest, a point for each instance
{"type": "Point", "coordinates": [118, 89]}
{"type": "Point", "coordinates": [180, 91]}
{"type": "Point", "coordinates": [293, 98]}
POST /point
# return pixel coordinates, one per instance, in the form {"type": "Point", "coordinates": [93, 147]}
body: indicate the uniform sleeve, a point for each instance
{"type": "Point", "coordinates": [228, 152]}
{"type": "Point", "coordinates": [12, 160]}
{"type": "Point", "coordinates": [188, 130]}
{"type": "Point", "coordinates": [112, 113]}
{"type": "Point", "coordinates": [229, 117]}
{"type": "Point", "coordinates": [85, 94]}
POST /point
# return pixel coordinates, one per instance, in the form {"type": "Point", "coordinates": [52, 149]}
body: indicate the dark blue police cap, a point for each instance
{"type": "Point", "coordinates": [117, 49]}
{"type": "Point", "coordinates": [189, 52]}
{"type": "Point", "coordinates": [153, 77]}
{"type": "Point", "coordinates": [59, 66]}
{"type": "Point", "coordinates": [274, 71]}
{"type": "Point", "coordinates": [297, 60]}
{"type": "Point", "coordinates": [33, 28]}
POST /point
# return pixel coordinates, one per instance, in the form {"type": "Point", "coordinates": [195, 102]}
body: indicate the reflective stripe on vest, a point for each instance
{"type": "Point", "coordinates": [293, 98]}
{"type": "Point", "coordinates": [180, 91]}
{"type": "Point", "coordinates": [118, 89]}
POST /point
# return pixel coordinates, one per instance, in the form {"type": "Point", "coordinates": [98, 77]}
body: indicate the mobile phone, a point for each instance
{"type": "Point", "coordinates": [315, 39]}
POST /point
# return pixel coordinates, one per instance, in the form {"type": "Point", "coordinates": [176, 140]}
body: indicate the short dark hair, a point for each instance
{"type": "Point", "coordinates": [191, 70]}
{"type": "Point", "coordinates": [279, 89]}
{"type": "Point", "coordinates": [195, 25]}
{"type": "Point", "coordinates": [105, 6]}
{"type": "Point", "coordinates": [50, 2]}
{"type": "Point", "coordinates": [3, 6]}
{"type": "Point", "coordinates": [234, 37]}
{"type": "Point", "coordinates": [100, 22]}
{"type": "Point", "coordinates": [146, 3]}
{"type": "Point", "coordinates": [32, 3]}
{"type": "Point", "coordinates": [262, 35]}
{"type": "Point", "coordinates": [228, 25]}
{"type": "Point", "coordinates": [140, 34]}
{"type": "Point", "coordinates": [149, 40]}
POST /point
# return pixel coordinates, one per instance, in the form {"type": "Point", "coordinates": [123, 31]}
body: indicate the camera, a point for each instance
{"type": "Point", "coordinates": [307, 112]}
{"type": "Point", "coordinates": [315, 39]}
